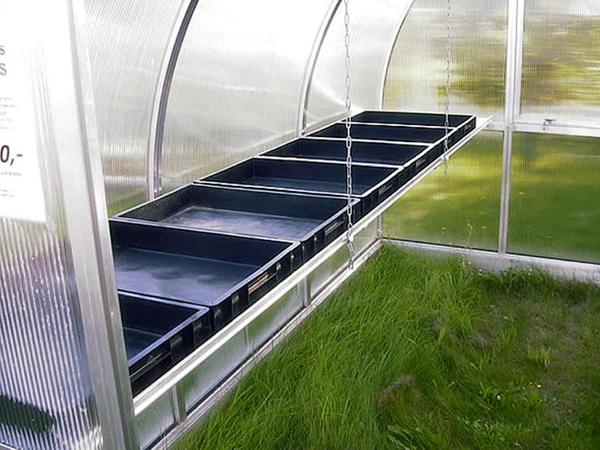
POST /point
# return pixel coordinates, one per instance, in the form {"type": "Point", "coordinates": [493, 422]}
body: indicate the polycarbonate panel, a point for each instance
{"type": "Point", "coordinates": [373, 28]}
{"type": "Point", "coordinates": [127, 43]}
{"type": "Point", "coordinates": [555, 207]}
{"type": "Point", "coordinates": [46, 400]}
{"type": "Point", "coordinates": [417, 74]}
{"type": "Point", "coordinates": [45, 396]}
{"type": "Point", "coordinates": [561, 61]}
{"type": "Point", "coordinates": [456, 206]}
{"type": "Point", "coordinates": [236, 88]}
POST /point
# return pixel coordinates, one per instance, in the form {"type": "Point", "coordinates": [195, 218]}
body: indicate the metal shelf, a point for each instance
{"type": "Point", "coordinates": [185, 394]}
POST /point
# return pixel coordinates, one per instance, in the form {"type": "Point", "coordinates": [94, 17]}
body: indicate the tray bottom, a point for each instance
{"type": "Point", "coordinates": [137, 340]}
{"type": "Point", "coordinates": [185, 278]}
{"type": "Point", "coordinates": [255, 224]}
{"type": "Point", "coordinates": [306, 185]}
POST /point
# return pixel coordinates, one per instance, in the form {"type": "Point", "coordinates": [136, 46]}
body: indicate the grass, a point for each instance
{"type": "Point", "coordinates": [427, 354]}
{"type": "Point", "coordinates": [457, 206]}
{"type": "Point", "coordinates": [553, 211]}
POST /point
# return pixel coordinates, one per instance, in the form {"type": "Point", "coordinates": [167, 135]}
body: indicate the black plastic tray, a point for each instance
{"type": "Point", "coordinates": [412, 118]}
{"type": "Point", "coordinates": [158, 334]}
{"type": "Point", "coordinates": [371, 184]}
{"type": "Point", "coordinates": [399, 133]}
{"type": "Point", "coordinates": [224, 273]}
{"type": "Point", "coordinates": [313, 220]}
{"type": "Point", "coordinates": [462, 124]}
{"type": "Point", "coordinates": [412, 157]}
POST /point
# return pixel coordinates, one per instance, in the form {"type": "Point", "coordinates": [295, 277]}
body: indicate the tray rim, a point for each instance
{"type": "Point", "coordinates": [377, 125]}
{"type": "Point", "coordinates": [467, 117]}
{"type": "Point", "coordinates": [430, 145]}
{"type": "Point", "coordinates": [226, 187]}
{"type": "Point", "coordinates": [396, 170]}
{"type": "Point", "coordinates": [289, 249]}
{"type": "Point", "coordinates": [327, 125]}
{"type": "Point", "coordinates": [427, 148]}
{"type": "Point", "coordinates": [200, 311]}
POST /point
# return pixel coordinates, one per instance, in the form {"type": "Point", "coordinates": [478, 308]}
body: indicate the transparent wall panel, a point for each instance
{"type": "Point", "coordinates": [44, 402]}
{"type": "Point", "coordinates": [373, 28]}
{"type": "Point", "coordinates": [127, 42]}
{"type": "Point", "coordinates": [458, 206]}
{"type": "Point", "coordinates": [555, 207]}
{"type": "Point", "coordinates": [561, 61]}
{"type": "Point", "coordinates": [236, 88]}
{"type": "Point", "coordinates": [417, 74]}
{"type": "Point", "coordinates": [46, 398]}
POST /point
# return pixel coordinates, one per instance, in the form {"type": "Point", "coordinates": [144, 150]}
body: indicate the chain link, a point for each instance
{"type": "Point", "coordinates": [348, 105]}
{"type": "Point", "coordinates": [448, 76]}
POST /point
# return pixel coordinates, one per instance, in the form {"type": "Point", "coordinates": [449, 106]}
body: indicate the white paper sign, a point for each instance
{"type": "Point", "coordinates": [21, 191]}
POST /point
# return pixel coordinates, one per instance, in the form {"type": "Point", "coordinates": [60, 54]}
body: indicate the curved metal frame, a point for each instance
{"type": "Point", "coordinates": [311, 65]}
{"type": "Point", "coordinates": [390, 53]}
{"type": "Point", "coordinates": [161, 98]}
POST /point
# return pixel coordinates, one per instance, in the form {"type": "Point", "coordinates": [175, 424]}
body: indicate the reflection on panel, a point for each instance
{"type": "Point", "coordinates": [554, 209]}
{"type": "Point", "coordinates": [373, 26]}
{"type": "Point", "coordinates": [417, 75]}
{"type": "Point", "coordinates": [561, 62]}
{"type": "Point", "coordinates": [127, 42]}
{"type": "Point", "coordinates": [236, 88]}
{"type": "Point", "coordinates": [455, 206]}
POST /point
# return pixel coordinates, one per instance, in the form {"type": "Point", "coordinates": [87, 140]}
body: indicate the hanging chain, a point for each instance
{"type": "Point", "coordinates": [448, 76]}
{"type": "Point", "coordinates": [348, 105]}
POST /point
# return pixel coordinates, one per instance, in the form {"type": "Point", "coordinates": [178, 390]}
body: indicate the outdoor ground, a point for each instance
{"type": "Point", "coordinates": [427, 354]}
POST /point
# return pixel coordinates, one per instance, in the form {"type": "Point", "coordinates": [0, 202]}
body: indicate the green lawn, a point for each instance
{"type": "Point", "coordinates": [554, 209]}
{"type": "Point", "coordinates": [458, 204]}
{"type": "Point", "coordinates": [427, 354]}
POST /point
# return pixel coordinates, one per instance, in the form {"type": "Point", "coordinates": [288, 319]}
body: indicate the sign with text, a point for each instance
{"type": "Point", "coordinates": [21, 188]}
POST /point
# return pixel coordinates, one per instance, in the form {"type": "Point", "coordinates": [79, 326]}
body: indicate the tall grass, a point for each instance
{"type": "Point", "coordinates": [427, 354]}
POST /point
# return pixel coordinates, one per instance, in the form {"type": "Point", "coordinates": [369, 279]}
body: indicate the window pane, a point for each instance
{"type": "Point", "coordinates": [561, 61]}
{"type": "Point", "coordinates": [555, 207]}
{"type": "Point", "coordinates": [417, 74]}
{"type": "Point", "coordinates": [458, 208]}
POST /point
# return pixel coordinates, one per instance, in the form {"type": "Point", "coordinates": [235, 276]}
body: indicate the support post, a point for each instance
{"type": "Point", "coordinates": [512, 107]}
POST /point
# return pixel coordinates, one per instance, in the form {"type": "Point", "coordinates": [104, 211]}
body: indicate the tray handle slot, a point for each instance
{"type": "Point", "coordinates": [383, 190]}
{"type": "Point", "coordinates": [334, 229]}
{"type": "Point", "coordinates": [261, 284]}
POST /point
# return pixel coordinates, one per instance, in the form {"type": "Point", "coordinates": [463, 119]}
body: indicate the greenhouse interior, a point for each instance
{"type": "Point", "coordinates": [319, 224]}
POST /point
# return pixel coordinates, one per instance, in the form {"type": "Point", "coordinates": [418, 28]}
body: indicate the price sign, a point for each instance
{"type": "Point", "coordinates": [21, 187]}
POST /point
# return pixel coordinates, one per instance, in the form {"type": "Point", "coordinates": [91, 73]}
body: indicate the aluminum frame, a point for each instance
{"type": "Point", "coordinates": [311, 64]}
{"type": "Point", "coordinates": [495, 262]}
{"type": "Point", "coordinates": [512, 106]}
{"type": "Point", "coordinates": [161, 98]}
{"type": "Point", "coordinates": [87, 224]}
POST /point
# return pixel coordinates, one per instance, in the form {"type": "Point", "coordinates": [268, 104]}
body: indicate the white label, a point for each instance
{"type": "Point", "coordinates": [21, 192]}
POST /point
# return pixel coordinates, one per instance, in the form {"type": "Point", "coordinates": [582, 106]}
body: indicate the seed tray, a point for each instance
{"type": "Point", "coordinates": [371, 184]}
{"type": "Point", "coordinates": [413, 158]}
{"type": "Point", "coordinates": [313, 220]}
{"type": "Point", "coordinates": [223, 273]}
{"type": "Point", "coordinates": [158, 334]}
{"type": "Point", "coordinates": [413, 118]}
{"type": "Point", "coordinates": [461, 124]}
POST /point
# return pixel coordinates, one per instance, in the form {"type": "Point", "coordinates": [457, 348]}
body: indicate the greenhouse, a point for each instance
{"type": "Point", "coordinates": [327, 224]}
